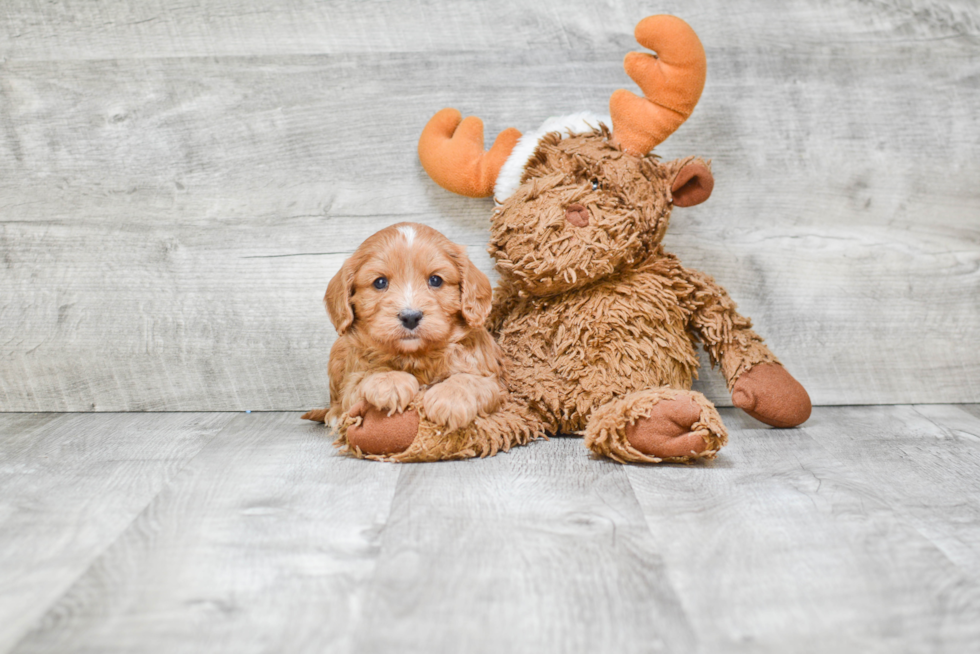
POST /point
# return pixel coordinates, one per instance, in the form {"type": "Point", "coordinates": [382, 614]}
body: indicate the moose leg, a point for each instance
{"type": "Point", "coordinates": [366, 432]}
{"type": "Point", "coordinates": [654, 425]}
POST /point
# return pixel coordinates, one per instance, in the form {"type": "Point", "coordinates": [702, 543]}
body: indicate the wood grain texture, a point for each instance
{"type": "Point", "coordinates": [539, 550]}
{"type": "Point", "coordinates": [925, 459]}
{"type": "Point", "coordinates": [69, 485]}
{"type": "Point", "coordinates": [972, 409]}
{"type": "Point", "coordinates": [167, 533]}
{"type": "Point", "coordinates": [263, 544]}
{"type": "Point", "coordinates": [179, 182]}
{"type": "Point", "coordinates": [836, 537]}
{"type": "Point", "coordinates": [75, 29]}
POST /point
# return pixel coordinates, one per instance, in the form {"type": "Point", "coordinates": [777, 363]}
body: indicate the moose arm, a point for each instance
{"type": "Point", "coordinates": [756, 379]}
{"type": "Point", "coordinates": [726, 334]}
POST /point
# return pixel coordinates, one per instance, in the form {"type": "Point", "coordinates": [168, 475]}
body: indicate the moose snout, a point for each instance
{"type": "Point", "coordinates": [410, 318]}
{"type": "Point", "coordinates": [577, 214]}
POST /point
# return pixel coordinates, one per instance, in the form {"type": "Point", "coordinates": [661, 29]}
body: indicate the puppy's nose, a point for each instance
{"type": "Point", "coordinates": [410, 318]}
{"type": "Point", "coordinates": [577, 214]}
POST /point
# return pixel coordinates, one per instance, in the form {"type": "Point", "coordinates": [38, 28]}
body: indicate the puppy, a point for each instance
{"type": "Point", "coordinates": [409, 308]}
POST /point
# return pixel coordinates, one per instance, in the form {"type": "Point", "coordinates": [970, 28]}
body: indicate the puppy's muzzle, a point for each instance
{"type": "Point", "coordinates": [410, 318]}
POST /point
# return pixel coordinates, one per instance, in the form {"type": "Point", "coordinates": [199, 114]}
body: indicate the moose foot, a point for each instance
{"type": "Point", "coordinates": [666, 431]}
{"type": "Point", "coordinates": [378, 433]}
{"type": "Point", "coordinates": [767, 392]}
{"type": "Point", "coordinates": [661, 424]}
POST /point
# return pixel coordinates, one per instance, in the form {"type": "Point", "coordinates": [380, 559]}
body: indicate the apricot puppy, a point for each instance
{"type": "Point", "coordinates": [409, 308]}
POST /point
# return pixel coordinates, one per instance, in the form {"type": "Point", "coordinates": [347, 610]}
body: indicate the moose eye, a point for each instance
{"type": "Point", "coordinates": [595, 185]}
{"type": "Point", "coordinates": [381, 283]}
{"type": "Point", "coordinates": [435, 281]}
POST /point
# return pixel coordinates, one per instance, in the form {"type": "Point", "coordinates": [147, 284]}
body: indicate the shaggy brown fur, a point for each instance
{"type": "Point", "coordinates": [598, 322]}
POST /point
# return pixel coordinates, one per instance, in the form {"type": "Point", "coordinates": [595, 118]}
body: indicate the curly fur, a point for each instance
{"type": "Point", "coordinates": [448, 369]}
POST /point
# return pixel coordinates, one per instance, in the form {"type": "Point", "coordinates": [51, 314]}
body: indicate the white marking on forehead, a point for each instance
{"type": "Point", "coordinates": [408, 232]}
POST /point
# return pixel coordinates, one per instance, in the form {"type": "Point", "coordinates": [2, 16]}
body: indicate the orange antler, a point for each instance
{"type": "Point", "coordinates": [451, 151]}
{"type": "Point", "coordinates": [672, 82]}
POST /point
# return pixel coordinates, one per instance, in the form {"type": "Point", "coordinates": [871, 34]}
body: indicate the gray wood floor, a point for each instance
{"type": "Point", "coordinates": [233, 532]}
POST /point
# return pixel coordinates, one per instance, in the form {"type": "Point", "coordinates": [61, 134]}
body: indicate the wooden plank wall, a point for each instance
{"type": "Point", "coordinates": [179, 181]}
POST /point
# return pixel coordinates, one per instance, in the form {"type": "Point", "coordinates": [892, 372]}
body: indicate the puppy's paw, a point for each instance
{"type": "Point", "coordinates": [450, 404]}
{"type": "Point", "coordinates": [316, 415]}
{"type": "Point", "coordinates": [391, 391]}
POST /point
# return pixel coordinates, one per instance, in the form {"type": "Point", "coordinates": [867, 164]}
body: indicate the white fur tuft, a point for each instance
{"type": "Point", "coordinates": [509, 177]}
{"type": "Point", "coordinates": [408, 232]}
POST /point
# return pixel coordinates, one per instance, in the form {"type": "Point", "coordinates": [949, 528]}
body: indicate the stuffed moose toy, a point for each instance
{"type": "Point", "coordinates": [597, 323]}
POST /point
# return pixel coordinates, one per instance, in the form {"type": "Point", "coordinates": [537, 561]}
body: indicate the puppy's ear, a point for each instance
{"type": "Point", "coordinates": [475, 291]}
{"type": "Point", "coordinates": [337, 299]}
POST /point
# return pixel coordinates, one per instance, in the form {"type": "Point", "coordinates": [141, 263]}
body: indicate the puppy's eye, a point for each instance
{"type": "Point", "coordinates": [595, 185]}
{"type": "Point", "coordinates": [435, 281]}
{"type": "Point", "coordinates": [381, 283]}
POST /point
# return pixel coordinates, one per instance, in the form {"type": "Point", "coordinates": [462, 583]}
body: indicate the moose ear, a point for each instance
{"type": "Point", "coordinates": [692, 183]}
{"type": "Point", "coordinates": [475, 290]}
{"type": "Point", "coordinates": [337, 299]}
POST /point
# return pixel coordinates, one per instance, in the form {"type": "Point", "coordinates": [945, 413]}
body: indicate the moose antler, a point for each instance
{"type": "Point", "coordinates": [451, 151]}
{"type": "Point", "coordinates": [672, 81]}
